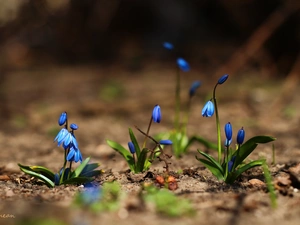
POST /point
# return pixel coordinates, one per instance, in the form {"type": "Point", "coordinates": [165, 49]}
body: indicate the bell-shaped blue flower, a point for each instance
{"type": "Point", "coordinates": [183, 65]}
{"type": "Point", "coordinates": [131, 147]}
{"type": "Point", "coordinates": [223, 79]}
{"type": "Point", "coordinates": [228, 131]}
{"type": "Point", "coordinates": [240, 136]}
{"type": "Point", "coordinates": [61, 136]}
{"type": "Point", "coordinates": [62, 119]}
{"type": "Point", "coordinates": [74, 126]}
{"type": "Point", "coordinates": [168, 45]}
{"type": "Point", "coordinates": [166, 142]}
{"type": "Point", "coordinates": [156, 114]}
{"type": "Point", "coordinates": [208, 109]}
{"type": "Point", "coordinates": [74, 155]}
{"type": "Point", "coordinates": [195, 85]}
{"type": "Point", "coordinates": [230, 163]}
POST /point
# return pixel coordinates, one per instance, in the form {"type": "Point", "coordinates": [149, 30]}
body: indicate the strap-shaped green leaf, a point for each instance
{"type": "Point", "coordinates": [212, 160]}
{"type": "Point", "coordinates": [39, 169]}
{"type": "Point", "coordinates": [80, 168]}
{"type": "Point", "coordinates": [47, 181]}
{"type": "Point", "coordinates": [135, 143]}
{"type": "Point", "coordinates": [232, 176]}
{"type": "Point", "coordinates": [141, 161]}
{"type": "Point", "coordinates": [124, 152]}
{"type": "Point", "coordinates": [89, 167]}
{"type": "Point", "coordinates": [215, 171]}
{"type": "Point", "coordinates": [249, 146]}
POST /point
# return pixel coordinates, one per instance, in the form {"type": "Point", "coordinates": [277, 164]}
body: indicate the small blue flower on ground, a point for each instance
{"type": "Point", "coordinates": [228, 131]}
{"type": "Point", "coordinates": [62, 119]}
{"type": "Point", "coordinates": [131, 147]}
{"type": "Point", "coordinates": [61, 136]}
{"type": "Point", "coordinates": [91, 195]}
{"type": "Point", "coordinates": [195, 85]}
{"type": "Point", "coordinates": [223, 79]}
{"type": "Point", "coordinates": [156, 114]}
{"type": "Point", "coordinates": [74, 155]}
{"type": "Point", "coordinates": [230, 163]}
{"type": "Point", "coordinates": [168, 45]}
{"type": "Point", "coordinates": [166, 142]}
{"type": "Point", "coordinates": [74, 126]}
{"type": "Point", "coordinates": [208, 109]}
{"type": "Point", "coordinates": [183, 65]}
{"type": "Point", "coordinates": [240, 136]}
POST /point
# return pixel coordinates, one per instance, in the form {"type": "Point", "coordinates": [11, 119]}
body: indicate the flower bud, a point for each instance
{"type": "Point", "coordinates": [156, 114]}
{"type": "Point", "coordinates": [62, 119]}
{"type": "Point", "coordinates": [131, 147]}
{"type": "Point", "coordinates": [166, 142]}
{"type": "Point", "coordinates": [240, 136]}
{"type": "Point", "coordinates": [168, 45]}
{"type": "Point", "coordinates": [228, 131]}
{"type": "Point", "coordinates": [183, 65]}
{"type": "Point", "coordinates": [223, 79]}
{"type": "Point", "coordinates": [74, 126]}
{"type": "Point", "coordinates": [195, 85]}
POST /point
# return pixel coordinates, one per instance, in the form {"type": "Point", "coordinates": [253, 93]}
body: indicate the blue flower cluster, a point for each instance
{"type": "Point", "coordinates": [67, 139]}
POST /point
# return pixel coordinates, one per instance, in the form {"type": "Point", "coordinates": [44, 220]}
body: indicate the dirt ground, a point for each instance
{"type": "Point", "coordinates": [104, 102]}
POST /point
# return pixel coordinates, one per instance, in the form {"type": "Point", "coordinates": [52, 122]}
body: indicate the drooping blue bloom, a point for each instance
{"type": "Point", "coordinates": [156, 114]}
{"type": "Point", "coordinates": [131, 147]}
{"type": "Point", "coordinates": [62, 119]}
{"type": "Point", "coordinates": [228, 131]}
{"type": "Point", "coordinates": [230, 163]}
{"type": "Point", "coordinates": [69, 141]}
{"type": "Point", "coordinates": [208, 109]}
{"type": "Point", "coordinates": [195, 85]}
{"type": "Point", "coordinates": [74, 155]}
{"type": "Point", "coordinates": [166, 142]}
{"type": "Point", "coordinates": [61, 136]}
{"type": "Point", "coordinates": [91, 195]}
{"type": "Point", "coordinates": [183, 65]}
{"type": "Point", "coordinates": [223, 79]}
{"type": "Point", "coordinates": [74, 126]}
{"type": "Point", "coordinates": [168, 45]}
{"type": "Point", "coordinates": [240, 136]}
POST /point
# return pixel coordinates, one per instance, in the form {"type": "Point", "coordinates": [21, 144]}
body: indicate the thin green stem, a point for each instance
{"type": "Point", "coordinates": [177, 100]}
{"type": "Point", "coordinates": [70, 167]}
{"type": "Point", "coordinates": [218, 124]}
{"type": "Point", "coordinates": [146, 136]}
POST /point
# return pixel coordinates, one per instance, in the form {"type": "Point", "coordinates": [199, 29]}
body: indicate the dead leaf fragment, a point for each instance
{"type": "Point", "coordinates": [4, 177]}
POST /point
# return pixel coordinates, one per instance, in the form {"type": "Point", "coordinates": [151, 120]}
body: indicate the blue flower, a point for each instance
{"type": "Point", "coordinates": [195, 85]}
{"type": "Point", "coordinates": [156, 114]}
{"type": "Point", "coordinates": [227, 142]}
{"type": "Point", "coordinates": [62, 119]}
{"type": "Point", "coordinates": [230, 163]}
{"type": "Point", "coordinates": [168, 45]}
{"type": "Point", "coordinates": [240, 136]}
{"type": "Point", "coordinates": [228, 131]}
{"type": "Point", "coordinates": [74, 155]}
{"type": "Point", "coordinates": [208, 109]}
{"type": "Point", "coordinates": [166, 142]}
{"type": "Point", "coordinates": [223, 79]}
{"type": "Point", "coordinates": [61, 136]}
{"type": "Point", "coordinates": [131, 147]}
{"type": "Point", "coordinates": [74, 126]}
{"type": "Point", "coordinates": [183, 65]}
{"type": "Point", "coordinates": [91, 195]}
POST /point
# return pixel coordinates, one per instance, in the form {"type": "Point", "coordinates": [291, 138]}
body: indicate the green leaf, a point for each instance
{"type": "Point", "coordinates": [44, 171]}
{"type": "Point", "coordinates": [124, 152]}
{"type": "Point", "coordinates": [135, 143]}
{"type": "Point", "coordinates": [89, 167]}
{"type": "Point", "coordinates": [249, 146]}
{"type": "Point", "coordinates": [214, 163]}
{"type": "Point", "coordinates": [80, 168]}
{"type": "Point", "coordinates": [47, 181]}
{"type": "Point", "coordinates": [232, 176]}
{"type": "Point", "coordinates": [141, 161]}
{"type": "Point", "coordinates": [78, 180]}
{"type": "Point", "coordinates": [215, 171]}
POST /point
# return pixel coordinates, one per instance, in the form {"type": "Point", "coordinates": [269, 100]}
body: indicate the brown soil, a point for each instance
{"type": "Point", "coordinates": [34, 98]}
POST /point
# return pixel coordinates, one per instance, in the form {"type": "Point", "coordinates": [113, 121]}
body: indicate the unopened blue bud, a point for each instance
{"type": "Point", "coordinates": [240, 136]}
{"type": "Point", "coordinates": [156, 114]}
{"type": "Point", "coordinates": [183, 65]}
{"type": "Point", "coordinates": [166, 142]}
{"type": "Point", "coordinates": [195, 85]}
{"type": "Point", "coordinates": [208, 109]}
{"type": "Point", "coordinates": [228, 131]}
{"type": "Point", "coordinates": [74, 126]}
{"type": "Point", "coordinates": [168, 45]}
{"type": "Point", "coordinates": [230, 163]}
{"type": "Point", "coordinates": [62, 119]}
{"type": "Point", "coordinates": [131, 147]}
{"type": "Point", "coordinates": [223, 79]}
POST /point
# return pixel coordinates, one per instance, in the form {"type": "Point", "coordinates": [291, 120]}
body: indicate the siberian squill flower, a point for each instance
{"type": "Point", "coordinates": [62, 119]}
{"type": "Point", "coordinates": [195, 85]}
{"type": "Point", "coordinates": [230, 163]}
{"type": "Point", "coordinates": [168, 45]}
{"type": "Point", "coordinates": [166, 142]}
{"type": "Point", "coordinates": [223, 79]}
{"type": "Point", "coordinates": [208, 109]}
{"type": "Point", "coordinates": [61, 136]}
{"type": "Point", "coordinates": [156, 114]}
{"type": "Point", "coordinates": [228, 133]}
{"type": "Point", "coordinates": [240, 136]}
{"type": "Point", "coordinates": [183, 65]}
{"type": "Point", "coordinates": [131, 147]}
{"type": "Point", "coordinates": [74, 155]}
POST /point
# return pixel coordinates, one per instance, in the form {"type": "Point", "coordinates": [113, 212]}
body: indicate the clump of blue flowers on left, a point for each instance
{"type": "Point", "coordinates": [84, 173]}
